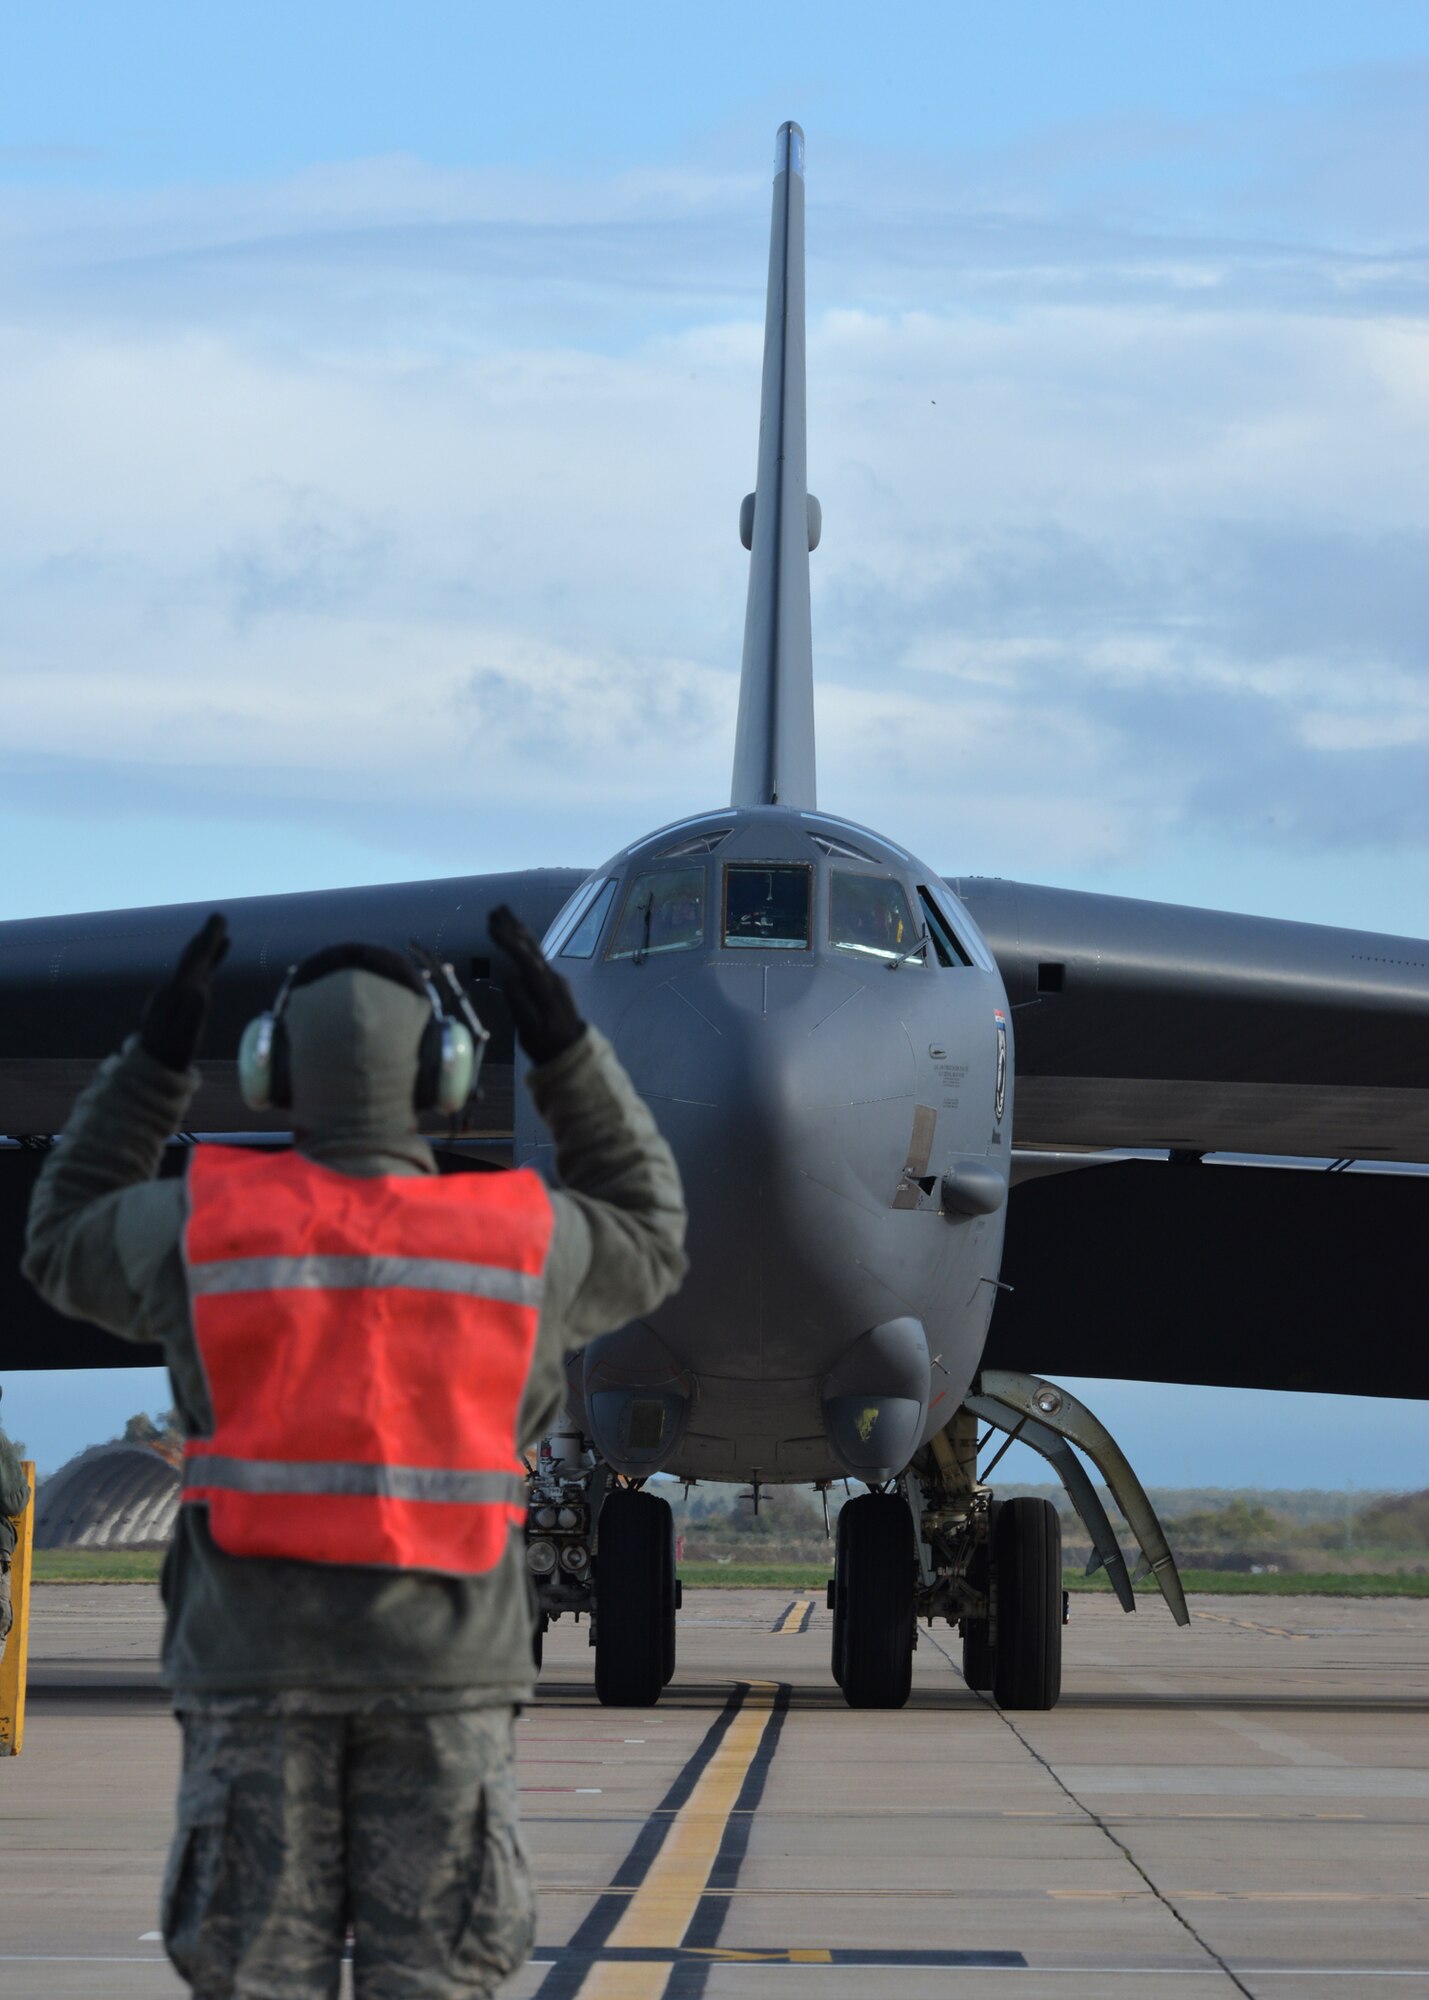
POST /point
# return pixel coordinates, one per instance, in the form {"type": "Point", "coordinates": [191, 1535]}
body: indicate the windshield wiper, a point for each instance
{"type": "Point", "coordinates": [921, 947]}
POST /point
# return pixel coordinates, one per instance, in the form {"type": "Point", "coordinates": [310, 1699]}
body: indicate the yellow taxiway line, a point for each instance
{"type": "Point", "coordinates": [662, 1906]}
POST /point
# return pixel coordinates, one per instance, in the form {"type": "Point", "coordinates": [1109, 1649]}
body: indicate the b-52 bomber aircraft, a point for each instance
{"type": "Point", "coordinates": [871, 1074]}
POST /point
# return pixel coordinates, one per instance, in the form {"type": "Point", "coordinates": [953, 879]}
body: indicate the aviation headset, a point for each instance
{"type": "Point", "coordinates": [448, 1056]}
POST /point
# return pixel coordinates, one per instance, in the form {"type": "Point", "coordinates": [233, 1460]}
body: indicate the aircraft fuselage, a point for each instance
{"type": "Point", "coordinates": [825, 1042]}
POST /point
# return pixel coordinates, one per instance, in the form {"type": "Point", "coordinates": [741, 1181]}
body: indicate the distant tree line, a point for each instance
{"type": "Point", "coordinates": [1208, 1527]}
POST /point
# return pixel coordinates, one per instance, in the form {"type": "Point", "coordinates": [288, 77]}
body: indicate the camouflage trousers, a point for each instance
{"type": "Point", "coordinates": [291, 1828]}
{"type": "Point", "coordinates": [7, 1609]}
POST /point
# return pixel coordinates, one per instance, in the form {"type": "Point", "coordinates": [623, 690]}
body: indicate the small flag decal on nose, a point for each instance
{"type": "Point", "coordinates": [999, 1089]}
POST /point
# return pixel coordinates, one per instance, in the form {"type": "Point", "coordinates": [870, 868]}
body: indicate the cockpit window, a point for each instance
{"type": "Point", "coordinates": [870, 914]}
{"type": "Point", "coordinates": [696, 843]}
{"type": "Point", "coordinates": [586, 935]}
{"type": "Point", "coordinates": [766, 906]}
{"type": "Point", "coordinates": [664, 911]}
{"type": "Point", "coordinates": [946, 942]}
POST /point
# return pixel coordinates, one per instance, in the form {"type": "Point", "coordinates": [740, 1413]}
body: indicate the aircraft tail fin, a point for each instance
{"type": "Point", "coordinates": [779, 524]}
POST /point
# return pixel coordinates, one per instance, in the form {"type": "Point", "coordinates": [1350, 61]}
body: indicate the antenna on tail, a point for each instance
{"type": "Point", "coordinates": [779, 524]}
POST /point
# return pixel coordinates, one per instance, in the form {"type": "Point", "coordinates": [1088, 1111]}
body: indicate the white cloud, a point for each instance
{"type": "Point", "coordinates": [389, 484]}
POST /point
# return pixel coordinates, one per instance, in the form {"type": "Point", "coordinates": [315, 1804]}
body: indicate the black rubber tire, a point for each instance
{"type": "Point", "coordinates": [668, 1597]}
{"type": "Point", "coordinates": [538, 1641]}
{"type": "Point", "coordinates": [977, 1632]}
{"type": "Point", "coordinates": [977, 1655]}
{"type": "Point", "coordinates": [875, 1588]}
{"type": "Point", "coordinates": [840, 1623]}
{"type": "Point", "coordinates": [1027, 1566]}
{"type": "Point", "coordinates": [632, 1553]}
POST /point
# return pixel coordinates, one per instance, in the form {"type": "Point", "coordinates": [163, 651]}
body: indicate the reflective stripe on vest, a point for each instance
{"type": "Point", "coordinates": [367, 1345]}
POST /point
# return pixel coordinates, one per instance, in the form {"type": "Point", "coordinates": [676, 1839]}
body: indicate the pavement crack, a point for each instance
{"type": "Point", "coordinates": [1097, 1821]}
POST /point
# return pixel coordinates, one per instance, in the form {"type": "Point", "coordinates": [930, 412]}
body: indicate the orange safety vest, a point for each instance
{"type": "Point", "coordinates": [367, 1344]}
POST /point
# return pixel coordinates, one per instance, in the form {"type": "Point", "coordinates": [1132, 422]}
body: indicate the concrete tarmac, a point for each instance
{"type": "Point", "coordinates": [1239, 1808]}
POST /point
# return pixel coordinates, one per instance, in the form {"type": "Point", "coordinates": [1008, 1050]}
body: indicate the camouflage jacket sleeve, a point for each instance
{"type": "Point", "coordinates": [100, 1224]}
{"type": "Point", "coordinates": [14, 1487]}
{"type": "Point", "coordinates": [618, 1248]}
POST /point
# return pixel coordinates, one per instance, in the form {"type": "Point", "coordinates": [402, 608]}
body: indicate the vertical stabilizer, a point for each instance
{"type": "Point", "coordinates": [779, 524]}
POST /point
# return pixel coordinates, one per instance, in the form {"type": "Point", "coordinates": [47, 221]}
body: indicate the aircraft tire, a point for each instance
{"type": "Point", "coordinates": [633, 1552]}
{"type": "Point", "coordinates": [977, 1632]}
{"type": "Point", "coordinates": [669, 1597]}
{"type": "Point", "coordinates": [538, 1640]}
{"type": "Point", "coordinates": [1027, 1562]}
{"type": "Point", "coordinates": [875, 1588]}
{"type": "Point", "coordinates": [977, 1655]}
{"type": "Point", "coordinates": [840, 1622]}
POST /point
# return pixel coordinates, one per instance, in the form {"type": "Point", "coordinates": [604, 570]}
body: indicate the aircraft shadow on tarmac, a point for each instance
{"type": "Point", "coordinates": [714, 1695]}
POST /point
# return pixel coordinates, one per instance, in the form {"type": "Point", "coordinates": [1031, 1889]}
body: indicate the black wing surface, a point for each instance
{"type": "Point", "coordinates": [71, 989]}
{"type": "Point", "coordinates": [1145, 1024]}
{"type": "Point", "coordinates": [1190, 1032]}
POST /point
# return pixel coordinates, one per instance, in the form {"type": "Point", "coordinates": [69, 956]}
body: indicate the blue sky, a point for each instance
{"type": "Point", "coordinates": [379, 387]}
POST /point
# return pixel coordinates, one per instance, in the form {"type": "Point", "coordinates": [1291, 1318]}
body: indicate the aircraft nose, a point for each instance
{"type": "Point", "coordinates": [788, 1104]}
{"type": "Point", "coordinates": [765, 1059]}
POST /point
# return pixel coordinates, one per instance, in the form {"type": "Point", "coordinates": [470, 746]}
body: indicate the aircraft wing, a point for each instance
{"type": "Point", "coordinates": [1147, 1026]}
{"type": "Point", "coordinates": [71, 989]}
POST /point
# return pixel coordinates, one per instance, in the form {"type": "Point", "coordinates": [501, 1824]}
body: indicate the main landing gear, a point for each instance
{"type": "Point", "coordinates": [607, 1553]}
{"type": "Point", "coordinates": [992, 1568]}
{"type": "Point", "coordinates": [1012, 1640]}
{"type": "Point", "coordinates": [1026, 1605]}
{"type": "Point", "coordinates": [636, 1597]}
{"type": "Point", "coordinates": [872, 1598]}
{"type": "Point", "coordinates": [1010, 1598]}
{"type": "Point", "coordinates": [1011, 1601]}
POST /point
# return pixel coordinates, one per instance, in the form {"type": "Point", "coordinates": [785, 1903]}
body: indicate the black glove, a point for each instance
{"type": "Point", "coordinates": [176, 1011]}
{"type": "Point", "coordinates": [541, 1003]}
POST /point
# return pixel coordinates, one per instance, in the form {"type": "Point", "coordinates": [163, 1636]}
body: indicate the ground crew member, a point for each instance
{"type": "Point", "coordinates": [348, 1621]}
{"type": "Point", "coordinates": [14, 1499]}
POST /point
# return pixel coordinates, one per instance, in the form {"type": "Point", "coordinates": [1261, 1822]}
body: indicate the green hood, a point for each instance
{"type": "Point", "coordinates": [353, 1039]}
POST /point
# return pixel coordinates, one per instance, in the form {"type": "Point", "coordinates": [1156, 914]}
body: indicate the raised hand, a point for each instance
{"type": "Point", "coordinates": [175, 1013]}
{"type": "Point", "coordinates": [542, 1005]}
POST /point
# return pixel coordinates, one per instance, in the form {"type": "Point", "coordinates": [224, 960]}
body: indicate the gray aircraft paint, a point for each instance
{"type": "Point", "coordinates": [824, 1282]}
{"type": "Point", "coordinates": [774, 736]}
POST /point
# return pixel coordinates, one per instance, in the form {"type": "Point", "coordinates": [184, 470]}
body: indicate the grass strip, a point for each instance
{"type": "Point", "coordinates": [144, 1565]}
{"type": "Point", "coordinates": [1283, 1583]}
{"type": "Point", "coordinates": [97, 1565]}
{"type": "Point", "coordinates": [758, 1576]}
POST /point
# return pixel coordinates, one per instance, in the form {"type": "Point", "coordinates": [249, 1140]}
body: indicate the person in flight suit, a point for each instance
{"type": "Point", "coordinates": [358, 1346]}
{"type": "Point", "coordinates": [14, 1499]}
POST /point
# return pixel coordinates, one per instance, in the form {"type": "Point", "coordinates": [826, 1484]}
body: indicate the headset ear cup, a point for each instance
{"type": "Point", "coordinates": [427, 1093]}
{"type": "Point", "coordinates": [280, 1068]}
{"type": "Point", "coordinates": [458, 1067]}
{"type": "Point", "coordinates": [255, 1063]}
